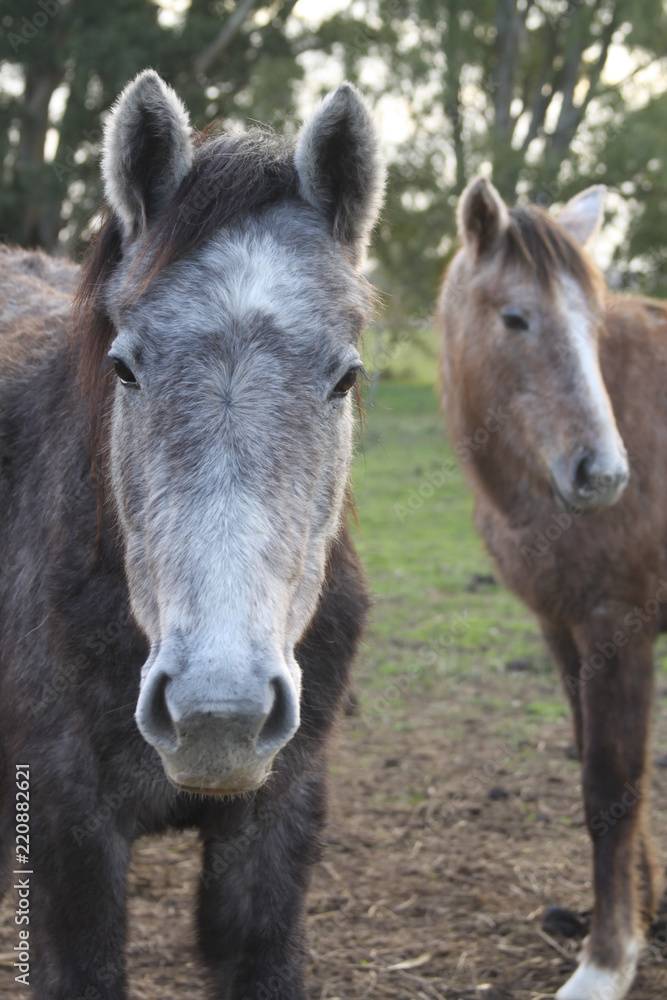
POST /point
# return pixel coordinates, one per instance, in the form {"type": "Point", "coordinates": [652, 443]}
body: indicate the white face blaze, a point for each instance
{"type": "Point", "coordinates": [602, 450]}
{"type": "Point", "coordinates": [231, 435]}
{"type": "Point", "coordinates": [581, 326]}
{"type": "Point", "coordinates": [230, 462]}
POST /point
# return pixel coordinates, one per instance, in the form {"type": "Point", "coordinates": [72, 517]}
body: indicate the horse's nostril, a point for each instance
{"type": "Point", "coordinates": [157, 720]}
{"type": "Point", "coordinates": [279, 722]}
{"type": "Point", "coordinates": [582, 474]}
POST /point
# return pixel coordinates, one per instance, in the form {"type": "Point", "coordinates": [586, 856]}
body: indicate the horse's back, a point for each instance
{"type": "Point", "coordinates": [633, 360]}
{"type": "Point", "coordinates": [35, 301]}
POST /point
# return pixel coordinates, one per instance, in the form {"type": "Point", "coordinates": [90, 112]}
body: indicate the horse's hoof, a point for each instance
{"type": "Point", "coordinates": [557, 920]}
{"type": "Point", "coordinates": [591, 982]}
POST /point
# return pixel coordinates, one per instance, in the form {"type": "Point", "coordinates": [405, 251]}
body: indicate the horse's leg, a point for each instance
{"type": "Point", "coordinates": [77, 900]}
{"type": "Point", "coordinates": [253, 887]}
{"type": "Point", "coordinates": [564, 650]}
{"type": "Point", "coordinates": [616, 683]}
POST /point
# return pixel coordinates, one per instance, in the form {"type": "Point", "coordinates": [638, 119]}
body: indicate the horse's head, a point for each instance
{"type": "Point", "coordinates": [235, 303]}
{"type": "Point", "coordinates": [523, 310]}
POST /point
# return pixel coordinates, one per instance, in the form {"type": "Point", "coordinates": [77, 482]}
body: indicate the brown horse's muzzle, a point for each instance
{"type": "Point", "coordinates": [589, 479]}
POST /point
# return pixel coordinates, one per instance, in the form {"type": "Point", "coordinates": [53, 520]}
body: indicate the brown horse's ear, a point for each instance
{"type": "Point", "coordinates": [482, 216]}
{"type": "Point", "coordinates": [340, 165]}
{"type": "Point", "coordinates": [146, 151]}
{"type": "Point", "coordinates": [583, 215]}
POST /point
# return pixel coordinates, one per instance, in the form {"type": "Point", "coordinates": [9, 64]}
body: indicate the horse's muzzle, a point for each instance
{"type": "Point", "coordinates": [217, 731]}
{"type": "Point", "coordinates": [590, 480]}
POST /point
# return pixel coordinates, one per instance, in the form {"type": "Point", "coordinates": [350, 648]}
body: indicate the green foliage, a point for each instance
{"type": "Point", "coordinates": [518, 88]}
{"type": "Point", "coordinates": [90, 51]}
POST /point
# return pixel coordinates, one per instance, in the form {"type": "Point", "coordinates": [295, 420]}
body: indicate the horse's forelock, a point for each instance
{"type": "Point", "coordinates": [534, 241]}
{"type": "Point", "coordinates": [231, 175]}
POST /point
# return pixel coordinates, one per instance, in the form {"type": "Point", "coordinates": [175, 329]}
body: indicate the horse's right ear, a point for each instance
{"type": "Point", "coordinates": [146, 151]}
{"type": "Point", "coordinates": [482, 216]}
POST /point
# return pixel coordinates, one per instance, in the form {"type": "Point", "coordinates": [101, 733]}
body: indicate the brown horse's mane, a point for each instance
{"type": "Point", "coordinates": [231, 175]}
{"type": "Point", "coordinates": [535, 240]}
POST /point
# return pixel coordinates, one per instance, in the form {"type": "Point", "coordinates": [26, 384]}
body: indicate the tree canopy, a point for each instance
{"type": "Point", "coordinates": [546, 96]}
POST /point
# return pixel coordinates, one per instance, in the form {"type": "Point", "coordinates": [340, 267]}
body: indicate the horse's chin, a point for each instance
{"type": "Point", "coordinates": [577, 507]}
{"type": "Point", "coordinates": [219, 786]}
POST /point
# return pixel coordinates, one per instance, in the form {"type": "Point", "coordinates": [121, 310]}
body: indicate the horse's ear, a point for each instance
{"type": "Point", "coordinates": [340, 166]}
{"type": "Point", "coordinates": [583, 215]}
{"type": "Point", "coordinates": [146, 152]}
{"type": "Point", "coordinates": [482, 216]}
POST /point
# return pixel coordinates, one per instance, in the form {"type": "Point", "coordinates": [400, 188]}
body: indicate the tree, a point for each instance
{"type": "Point", "coordinates": [520, 89]}
{"type": "Point", "coordinates": [516, 88]}
{"type": "Point", "coordinates": [224, 59]}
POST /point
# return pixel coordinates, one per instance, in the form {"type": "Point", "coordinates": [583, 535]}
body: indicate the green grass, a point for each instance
{"type": "Point", "coordinates": [422, 553]}
{"type": "Point", "coordinates": [418, 542]}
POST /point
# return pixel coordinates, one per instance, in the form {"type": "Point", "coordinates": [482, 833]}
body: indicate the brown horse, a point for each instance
{"type": "Point", "coordinates": [570, 485]}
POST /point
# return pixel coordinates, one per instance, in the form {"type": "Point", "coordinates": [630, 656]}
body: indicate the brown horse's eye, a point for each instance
{"type": "Point", "coordinates": [348, 380]}
{"type": "Point", "coordinates": [514, 319]}
{"type": "Point", "coordinates": [124, 373]}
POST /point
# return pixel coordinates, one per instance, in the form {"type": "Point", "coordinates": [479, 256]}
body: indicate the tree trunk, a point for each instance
{"type": "Point", "coordinates": [40, 227]}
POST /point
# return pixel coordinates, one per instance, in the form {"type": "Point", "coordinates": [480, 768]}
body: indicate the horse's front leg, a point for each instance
{"type": "Point", "coordinates": [77, 898]}
{"type": "Point", "coordinates": [615, 680]}
{"type": "Point", "coordinates": [253, 887]}
{"type": "Point", "coordinates": [564, 651]}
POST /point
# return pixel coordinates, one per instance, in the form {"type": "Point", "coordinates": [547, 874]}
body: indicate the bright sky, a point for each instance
{"type": "Point", "coordinates": [318, 10]}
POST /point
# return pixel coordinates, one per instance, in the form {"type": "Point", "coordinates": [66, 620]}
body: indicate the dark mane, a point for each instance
{"type": "Point", "coordinates": [536, 241]}
{"type": "Point", "coordinates": [231, 175]}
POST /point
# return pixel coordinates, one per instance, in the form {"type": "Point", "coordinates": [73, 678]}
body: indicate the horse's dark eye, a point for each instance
{"type": "Point", "coordinates": [514, 319]}
{"type": "Point", "coordinates": [348, 380]}
{"type": "Point", "coordinates": [123, 372]}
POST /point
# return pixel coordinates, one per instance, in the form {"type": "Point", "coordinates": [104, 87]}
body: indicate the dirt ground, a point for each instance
{"type": "Point", "coordinates": [443, 853]}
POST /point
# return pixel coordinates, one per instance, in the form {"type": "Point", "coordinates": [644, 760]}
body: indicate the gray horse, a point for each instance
{"type": "Point", "coordinates": [180, 599]}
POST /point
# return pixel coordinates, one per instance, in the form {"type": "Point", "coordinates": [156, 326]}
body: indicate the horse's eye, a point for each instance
{"type": "Point", "coordinates": [124, 373]}
{"type": "Point", "coordinates": [514, 319]}
{"type": "Point", "coordinates": [348, 380]}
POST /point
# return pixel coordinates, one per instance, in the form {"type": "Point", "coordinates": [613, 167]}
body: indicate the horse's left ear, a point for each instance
{"type": "Point", "coordinates": [146, 152]}
{"type": "Point", "coordinates": [340, 166]}
{"type": "Point", "coordinates": [583, 214]}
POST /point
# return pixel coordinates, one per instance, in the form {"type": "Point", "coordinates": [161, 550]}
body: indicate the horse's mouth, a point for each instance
{"type": "Point", "coordinates": [576, 508]}
{"type": "Point", "coordinates": [222, 791]}
{"type": "Point", "coordinates": [218, 787]}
